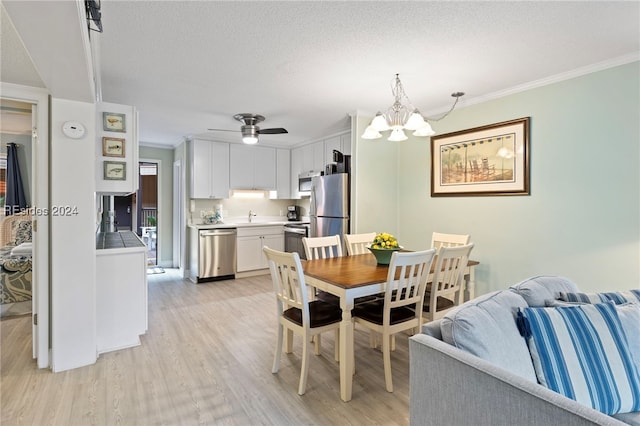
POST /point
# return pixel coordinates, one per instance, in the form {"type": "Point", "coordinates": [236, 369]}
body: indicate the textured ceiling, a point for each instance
{"type": "Point", "coordinates": [190, 65]}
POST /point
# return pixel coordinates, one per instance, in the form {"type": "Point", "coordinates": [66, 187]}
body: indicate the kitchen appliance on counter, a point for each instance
{"type": "Point", "coordinates": [293, 235]}
{"type": "Point", "coordinates": [293, 213]}
{"type": "Point", "coordinates": [216, 254]}
{"type": "Point", "coordinates": [329, 205]}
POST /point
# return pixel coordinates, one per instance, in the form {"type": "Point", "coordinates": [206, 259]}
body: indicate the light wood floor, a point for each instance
{"type": "Point", "coordinates": [206, 359]}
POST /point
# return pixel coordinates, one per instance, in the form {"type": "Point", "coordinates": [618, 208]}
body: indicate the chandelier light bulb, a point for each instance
{"type": "Point", "coordinates": [371, 133]}
{"type": "Point", "coordinates": [415, 121]}
{"type": "Point", "coordinates": [397, 135]}
{"type": "Point", "coordinates": [425, 130]}
{"type": "Point", "coordinates": [379, 123]}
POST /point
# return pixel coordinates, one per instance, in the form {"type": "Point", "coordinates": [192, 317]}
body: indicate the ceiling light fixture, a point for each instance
{"type": "Point", "coordinates": [400, 117]}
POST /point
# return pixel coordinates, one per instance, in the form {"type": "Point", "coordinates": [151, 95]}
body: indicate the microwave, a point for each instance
{"type": "Point", "coordinates": [304, 180]}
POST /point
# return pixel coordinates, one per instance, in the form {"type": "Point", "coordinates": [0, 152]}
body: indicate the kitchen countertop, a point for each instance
{"type": "Point", "coordinates": [244, 224]}
{"type": "Point", "coordinates": [118, 240]}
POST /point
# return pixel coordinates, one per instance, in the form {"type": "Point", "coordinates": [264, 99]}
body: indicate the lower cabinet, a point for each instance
{"type": "Point", "coordinates": [250, 242]}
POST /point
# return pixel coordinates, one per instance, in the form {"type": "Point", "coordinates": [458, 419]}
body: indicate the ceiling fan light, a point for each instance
{"type": "Point", "coordinates": [425, 130]}
{"type": "Point", "coordinates": [371, 133]}
{"type": "Point", "coordinates": [397, 135]}
{"type": "Point", "coordinates": [250, 140]}
{"type": "Point", "coordinates": [379, 123]}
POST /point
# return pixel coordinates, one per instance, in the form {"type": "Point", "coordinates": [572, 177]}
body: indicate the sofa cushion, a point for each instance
{"type": "Point", "coordinates": [617, 297]}
{"type": "Point", "coordinates": [581, 352]}
{"type": "Point", "coordinates": [486, 328]}
{"type": "Point", "coordinates": [536, 290]}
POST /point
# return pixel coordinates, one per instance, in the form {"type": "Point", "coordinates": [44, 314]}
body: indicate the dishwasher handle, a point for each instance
{"type": "Point", "coordinates": [217, 233]}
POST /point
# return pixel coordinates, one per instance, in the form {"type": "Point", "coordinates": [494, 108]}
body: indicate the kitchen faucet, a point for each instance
{"type": "Point", "coordinates": [251, 214]}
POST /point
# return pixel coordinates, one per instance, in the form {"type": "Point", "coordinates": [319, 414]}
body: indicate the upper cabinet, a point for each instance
{"type": "Point", "coordinates": [209, 169]}
{"type": "Point", "coordinates": [117, 149]}
{"type": "Point", "coordinates": [252, 167]}
{"type": "Point", "coordinates": [283, 173]}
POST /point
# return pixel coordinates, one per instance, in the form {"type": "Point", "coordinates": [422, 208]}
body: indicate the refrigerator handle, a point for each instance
{"type": "Point", "coordinates": [312, 200]}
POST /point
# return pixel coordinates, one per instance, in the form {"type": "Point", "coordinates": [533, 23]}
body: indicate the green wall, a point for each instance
{"type": "Point", "coordinates": [582, 219]}
{"type": "Point", "coordinates": [165, 200]}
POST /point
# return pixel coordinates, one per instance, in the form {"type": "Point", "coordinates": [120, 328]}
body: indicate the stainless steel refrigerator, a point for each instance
{"type": "Point", "coordinates": [329, 205]}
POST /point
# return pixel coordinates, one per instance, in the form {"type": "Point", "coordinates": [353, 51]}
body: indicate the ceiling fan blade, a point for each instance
{"type": "Point", "coordinates": [223, 130]}
{"type": "Point", "coordinates": [274, 131]}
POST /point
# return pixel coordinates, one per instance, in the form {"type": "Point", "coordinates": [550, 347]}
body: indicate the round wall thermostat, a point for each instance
{"type": "Point", "coordinates": [73, 129]}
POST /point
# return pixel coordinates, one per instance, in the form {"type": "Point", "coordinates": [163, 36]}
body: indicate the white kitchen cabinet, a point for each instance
{"type": "Point", "coordinates": [283, 173]}
{"type": "Point", "coordinates": [209, 169]}
{"type": "Point", "coordinates": [296, 169]}
{"type": "Point", "coordinates": [340, 142]}
{"type": "Point", "coordinates": [121, 291]}
{"type": "Point", "coordinates": [345, 142]}
{"type": "Point", "coordinates": [252, 167]}
{"type": "Point", "coordinates": [117, 169]}
{"type": "Point", "coordinates": [250, 242]}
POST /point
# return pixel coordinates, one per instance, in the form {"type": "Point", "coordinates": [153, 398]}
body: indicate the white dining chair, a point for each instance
{"type": "Point", "coordinates": [401, 308]}
{"type": "Point", "coordinates": [446, 290]}
{"type": "Point", "coordinates": [439, 239]}
{"type": "Point", "coordinates": [357, 243]}
{"type": "Point", "coordinates": [296, 313]}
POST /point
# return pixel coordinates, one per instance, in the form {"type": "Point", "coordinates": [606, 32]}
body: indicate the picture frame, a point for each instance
{"type": "Point", "coordinates": [113, 147]}
{"type": "Point", "coordinates": [115, 170]}
{"type": "Point", "coordinates": [114, 122]}
{"type": "Point", "coordinates": [482, 161]}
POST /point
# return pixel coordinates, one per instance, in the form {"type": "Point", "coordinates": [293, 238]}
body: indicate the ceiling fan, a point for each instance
{"type": "Point", "coordinates": [249, 128]}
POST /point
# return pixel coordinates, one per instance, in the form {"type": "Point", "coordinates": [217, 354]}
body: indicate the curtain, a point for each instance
{"type": "Point", "coordinates": [15, 200]}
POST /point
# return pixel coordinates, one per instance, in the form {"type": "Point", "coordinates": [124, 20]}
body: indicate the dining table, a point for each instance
{"type": "Point", "coordinates": [350, 277]}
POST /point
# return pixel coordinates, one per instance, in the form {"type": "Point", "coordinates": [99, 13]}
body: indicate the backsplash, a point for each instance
{"type": "Point", "coordinates": [232, 208]}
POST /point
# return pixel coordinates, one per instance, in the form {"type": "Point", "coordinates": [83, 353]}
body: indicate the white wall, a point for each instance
{"type": "Point", "coordinates": [73, 258]}
{"type": "Point", "coordinates": [582, 219]}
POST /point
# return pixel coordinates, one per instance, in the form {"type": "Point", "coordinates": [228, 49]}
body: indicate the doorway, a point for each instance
{"type": "Point", "coordinates": [147, 209]}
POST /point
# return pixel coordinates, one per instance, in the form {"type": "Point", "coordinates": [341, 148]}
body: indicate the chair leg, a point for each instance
{"type": "Point", "coordinates": [306, 347]}
{"type": "Point", "coordinates": [317, 343]}
{"type": "Point", "coordinates": [289, 341]}
{"type": "Point", "coordinates": [393, 342]}
{"type": "Point", "coordinates": [336, 346]}
{"type": "Point", "coordinates": [276, 358]}
{"type": "Point", "coordinates": [386, 355]}
{"type": "Point", "coordinates": [373, 339]}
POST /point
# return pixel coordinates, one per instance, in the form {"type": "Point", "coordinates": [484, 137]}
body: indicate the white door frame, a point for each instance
{"type": "Point", "coordinates": [39, 98]}
{"type": "Point", "coordinates": [158, 164]}
{"type": "Point", "coordinates": [178, 216]}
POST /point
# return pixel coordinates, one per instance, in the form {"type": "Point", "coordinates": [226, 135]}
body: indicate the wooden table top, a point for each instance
{"type": "Point", "coordinates": [350, 271]}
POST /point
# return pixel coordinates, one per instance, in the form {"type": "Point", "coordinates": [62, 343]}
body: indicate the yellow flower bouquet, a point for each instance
{"type": "Point", "coordinates": [383, 246]}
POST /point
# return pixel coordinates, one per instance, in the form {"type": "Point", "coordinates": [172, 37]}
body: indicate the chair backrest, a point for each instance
{"type": "Point", "coordinates": [407, 281]}
{"type": "Point", "coordinates": [448, 276]}
{"type": "Point", "coordinates": [288, 281]}
{"type": "Point", "coordinates": [356, 243]}
{"type": "Point", "coordinates": [439, 239]}
{"type": "Point", "coordinates": [322, 247]}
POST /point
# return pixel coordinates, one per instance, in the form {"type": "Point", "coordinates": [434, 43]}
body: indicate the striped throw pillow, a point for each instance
{"type": "Point", "coordinates": [582, 353]}
{"type": "Point", "coordinates": [617, 297]}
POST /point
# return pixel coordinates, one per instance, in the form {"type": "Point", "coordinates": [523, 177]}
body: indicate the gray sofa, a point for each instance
{"type": "Point", "coordinates": [488, 378]}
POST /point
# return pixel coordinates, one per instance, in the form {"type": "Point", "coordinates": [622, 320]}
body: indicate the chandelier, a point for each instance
{"type": "Point", "coordinates": [400, 117]}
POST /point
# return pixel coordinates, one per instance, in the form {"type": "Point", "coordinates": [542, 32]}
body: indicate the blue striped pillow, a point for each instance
{"type": "Point", "coordinates": [582, 353]}
{"type": "Point", "coordinates": [617, 297]}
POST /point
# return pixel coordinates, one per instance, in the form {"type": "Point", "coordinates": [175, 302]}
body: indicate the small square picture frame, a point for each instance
{"type": "Point", "coordinates": [113, 147]}
{"type": "Point", "coordinates": [115, 170]}
{"type": "Point", "coordinates": [114, 122]}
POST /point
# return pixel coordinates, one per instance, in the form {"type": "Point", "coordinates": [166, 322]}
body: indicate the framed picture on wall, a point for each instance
{"type": "Point", "coordinates": [113, 147]}
{"type": "Point", "coordinates": [487, 160]}
{"type": "Point", "coordinates": [115, 170]}
{"type": "Point", "coordinates": [114, 122]}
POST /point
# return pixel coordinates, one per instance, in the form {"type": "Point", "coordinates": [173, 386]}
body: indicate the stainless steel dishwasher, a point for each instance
{"type": "Point", "coordinates": [216, 254]}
